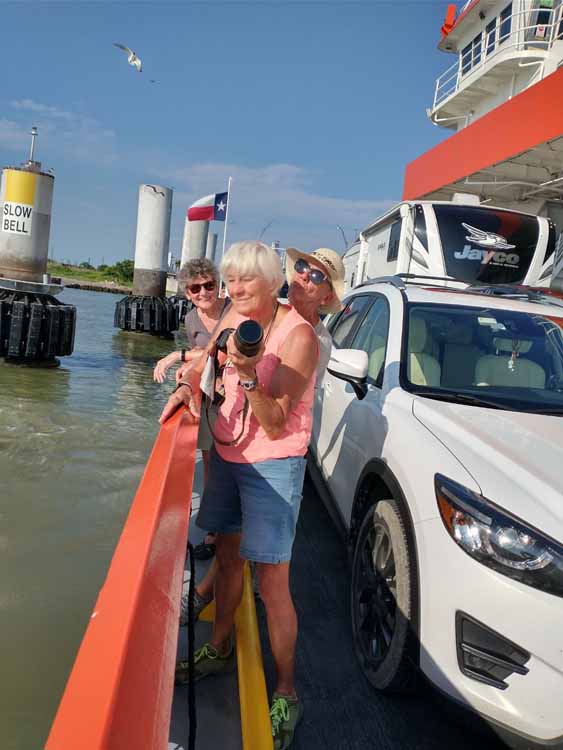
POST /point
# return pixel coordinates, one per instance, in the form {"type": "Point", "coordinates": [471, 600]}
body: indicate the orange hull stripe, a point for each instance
{"type": "Point", "coordinates": [533, 117]}
{"type": "Point", "coordinates": [119, 693]}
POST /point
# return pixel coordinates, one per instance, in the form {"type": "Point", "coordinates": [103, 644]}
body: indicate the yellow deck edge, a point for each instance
{"type": "Point", "coordinates": [253, 696]}
{"type": "Point", "coordinates": [254, 706]}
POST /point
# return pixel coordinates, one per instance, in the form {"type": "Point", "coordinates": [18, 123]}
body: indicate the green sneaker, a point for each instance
{"type": "Point", "coordinates": [285, 714]}
{"type": "Point", "coordinates": [207, 661]}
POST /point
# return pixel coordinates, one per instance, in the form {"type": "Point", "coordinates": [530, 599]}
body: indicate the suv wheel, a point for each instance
{"type": "Point", "coordinates": [382, 599]}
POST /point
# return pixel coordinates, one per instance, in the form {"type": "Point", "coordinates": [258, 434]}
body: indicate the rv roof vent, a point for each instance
{"type": "Point", "coordinates": [466, 199]}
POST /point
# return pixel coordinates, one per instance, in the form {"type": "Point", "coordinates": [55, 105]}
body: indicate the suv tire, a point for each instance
{"type": "Point", "coordinates": [382, 593]}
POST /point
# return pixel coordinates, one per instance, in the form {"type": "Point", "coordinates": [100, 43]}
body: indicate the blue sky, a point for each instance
{"type": "Point", "coordinates": [314, 107]}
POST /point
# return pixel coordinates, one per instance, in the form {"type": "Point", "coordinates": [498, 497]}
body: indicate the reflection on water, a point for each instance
{"type": "Point", "coordinates": [73, 444]}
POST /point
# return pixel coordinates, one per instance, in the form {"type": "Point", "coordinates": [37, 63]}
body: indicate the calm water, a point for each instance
{"type": "Point", "coordinates": [73, 445]}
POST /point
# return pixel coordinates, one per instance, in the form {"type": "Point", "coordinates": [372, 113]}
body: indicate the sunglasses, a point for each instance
{"type": "Point", "coordinates": [316, 276]}
{"type": "Point", "coordinates": [209, 286]}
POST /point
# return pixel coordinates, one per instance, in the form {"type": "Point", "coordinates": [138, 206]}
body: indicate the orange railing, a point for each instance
{"type": "Point", "coordinates": [119, 693]}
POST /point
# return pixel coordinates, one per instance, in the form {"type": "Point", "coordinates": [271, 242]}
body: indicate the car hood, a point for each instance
{"type": "Point", "coordinates": [515, 458]}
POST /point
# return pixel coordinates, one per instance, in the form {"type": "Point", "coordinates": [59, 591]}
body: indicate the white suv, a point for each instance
{"type": "Point", "coordinates": [438, 438]}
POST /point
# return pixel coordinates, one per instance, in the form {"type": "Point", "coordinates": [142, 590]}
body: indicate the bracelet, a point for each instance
{"type": "Point", "coordinates": [182, 355]}
{"type": "Point", "coordinates": [181, 383]}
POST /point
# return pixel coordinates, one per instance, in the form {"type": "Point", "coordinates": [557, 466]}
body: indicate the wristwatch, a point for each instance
{"type": "Point", "coordinates": [249, 385]}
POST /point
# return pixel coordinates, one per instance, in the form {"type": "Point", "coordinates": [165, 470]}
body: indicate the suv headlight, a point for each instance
{"type": "Point", "coordinates": [498, 539]}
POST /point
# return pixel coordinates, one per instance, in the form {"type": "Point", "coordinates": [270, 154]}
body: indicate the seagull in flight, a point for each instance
{"type": "Point", "coordinates": [132, 58]}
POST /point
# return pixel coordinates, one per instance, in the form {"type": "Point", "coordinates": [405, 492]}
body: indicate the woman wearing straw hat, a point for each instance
{"type": "Point", "coordinates": [316, 286]}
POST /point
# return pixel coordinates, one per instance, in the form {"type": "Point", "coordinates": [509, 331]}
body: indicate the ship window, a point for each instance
{"type": "Point", "coordinates": [544, 12]}
{"type": "Point", "coordinates": [477, 50]}
{"type": "Point", "coordinates": [491, 36]}
{"type": "Point", "coordinates": [505, 24]}
{"type": "Point", "coordinates": [466, 55]}
{"type": "Point", "coordinates": [471, 55]}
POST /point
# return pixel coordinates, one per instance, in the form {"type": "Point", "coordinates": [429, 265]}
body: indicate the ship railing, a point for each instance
{"type": "Point", "coordinates": [119, 693]}
{"type": "Point", "coordinates": [530, 30]}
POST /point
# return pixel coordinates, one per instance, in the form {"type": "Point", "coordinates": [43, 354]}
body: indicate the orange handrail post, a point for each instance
{"type": "Point", "coordinates": [119, 693]}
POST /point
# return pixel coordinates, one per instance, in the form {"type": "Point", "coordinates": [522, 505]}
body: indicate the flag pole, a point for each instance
{"type": "Point", "coordinates": [227, 215]}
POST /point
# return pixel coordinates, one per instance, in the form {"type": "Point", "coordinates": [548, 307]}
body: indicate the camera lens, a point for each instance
{"type": "Point", "coordinates": [248, 337]}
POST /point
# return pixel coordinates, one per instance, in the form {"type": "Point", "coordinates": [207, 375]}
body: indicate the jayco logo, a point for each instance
{"type": "Point", "coordinates": [488, 256]}
{"type": "Point", "coordinates": [486, 239]}
{"type": "Point", "coordinates": [494, 255]}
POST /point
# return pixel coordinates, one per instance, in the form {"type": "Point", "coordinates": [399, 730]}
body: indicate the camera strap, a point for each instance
{"type": "Point", "coordinates": [234, 441]}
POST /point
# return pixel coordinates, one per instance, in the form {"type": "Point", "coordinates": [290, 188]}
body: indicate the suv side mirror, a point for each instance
{"type": "Point", "coordinates": [350, 365]}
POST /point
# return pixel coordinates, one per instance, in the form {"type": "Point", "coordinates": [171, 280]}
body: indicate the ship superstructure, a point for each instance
{"type": "Point", "coordinates": [503, 96]}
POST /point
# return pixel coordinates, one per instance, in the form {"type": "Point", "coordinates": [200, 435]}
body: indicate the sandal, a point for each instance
{"type": "Point", "coordinates": [204, 551]}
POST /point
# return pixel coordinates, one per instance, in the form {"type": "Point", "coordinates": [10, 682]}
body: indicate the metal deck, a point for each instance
{"type": "Point", "coordinates": [342, 712]}
{"type": "Point", "coordinates": [217, 706]}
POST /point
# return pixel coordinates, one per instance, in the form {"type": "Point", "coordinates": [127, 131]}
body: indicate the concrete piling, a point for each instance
{"type": "Point", "coordinates": [148, 310]}
{"type": "Point", "coordinates": [26, 197]}
{"type": "Point", "coordinates": [152, 240]}
{"type": "Point", "coordinates": [36, 328]}
{"type": "Point", "coordinates": [211, 247]}
{"type": "Point", "coordinates": [195, 240]}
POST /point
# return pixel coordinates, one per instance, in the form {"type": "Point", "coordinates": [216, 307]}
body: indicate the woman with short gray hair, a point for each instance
{"type": "Point", "coordinates": [197, 267]}
{"type": "Point", "coordinates": [200, 279]}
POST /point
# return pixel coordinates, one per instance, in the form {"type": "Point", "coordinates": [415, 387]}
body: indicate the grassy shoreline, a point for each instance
{"type": "Point", "coordinates": [74, 273]}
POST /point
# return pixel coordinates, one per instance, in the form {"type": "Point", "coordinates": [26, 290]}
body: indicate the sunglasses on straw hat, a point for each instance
{"type": "Point", "coordinates": [315, 274]}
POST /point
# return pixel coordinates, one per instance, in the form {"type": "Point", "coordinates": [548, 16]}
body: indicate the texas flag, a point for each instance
{"type": "Point", "coordinates": [211, 208]}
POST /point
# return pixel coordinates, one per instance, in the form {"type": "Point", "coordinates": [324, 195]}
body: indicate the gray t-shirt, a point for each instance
{"type": "Point", "coordinates": [197, 334]}
{"type": "Point", "coordinates": [325, 348]}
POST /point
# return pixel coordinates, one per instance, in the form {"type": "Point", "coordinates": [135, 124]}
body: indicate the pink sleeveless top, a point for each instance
{"type": "Point", "coordinates": [254, 445]}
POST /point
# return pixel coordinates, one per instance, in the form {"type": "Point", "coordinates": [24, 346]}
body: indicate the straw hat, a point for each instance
{"type": "Point", "coordinates": [332, 265]}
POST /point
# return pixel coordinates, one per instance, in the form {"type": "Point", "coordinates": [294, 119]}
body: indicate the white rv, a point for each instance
{"type": "Point", "coordinates": [454, 240]}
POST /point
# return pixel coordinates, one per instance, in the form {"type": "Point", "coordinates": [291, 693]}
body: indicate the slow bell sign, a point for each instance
{"type": "Point", "coordinates": [17, 212]}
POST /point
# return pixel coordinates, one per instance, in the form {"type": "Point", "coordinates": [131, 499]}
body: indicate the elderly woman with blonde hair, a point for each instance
{"type": "Point", "coordinates": [257, 466]}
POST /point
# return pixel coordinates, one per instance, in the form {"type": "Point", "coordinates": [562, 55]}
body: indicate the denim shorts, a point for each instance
{"type": "Point", "coordinates": [259, 500]}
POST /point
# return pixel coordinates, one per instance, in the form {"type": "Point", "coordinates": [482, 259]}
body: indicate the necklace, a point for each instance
{"type": "Point", "coordinates": [271, 323]}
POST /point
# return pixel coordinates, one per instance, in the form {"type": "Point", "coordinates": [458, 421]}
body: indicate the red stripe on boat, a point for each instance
{"type": "Point", "coordinates": [119, 693]}
{"type": "Point", "coordinates": [529, 119]}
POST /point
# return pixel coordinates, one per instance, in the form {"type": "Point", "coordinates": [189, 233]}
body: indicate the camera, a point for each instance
{"type": "Point", "coordinates": [248, 338]}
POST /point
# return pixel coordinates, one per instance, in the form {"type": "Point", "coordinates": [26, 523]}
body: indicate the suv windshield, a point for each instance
{"type": "Point", "coordinates": [484, 357]}
{"type": "Point", "coordinates": [487, 245]}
